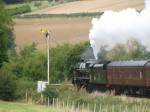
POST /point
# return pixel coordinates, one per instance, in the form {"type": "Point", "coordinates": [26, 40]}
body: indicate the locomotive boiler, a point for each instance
{"type": "Point", "coordinates": [127, 77]}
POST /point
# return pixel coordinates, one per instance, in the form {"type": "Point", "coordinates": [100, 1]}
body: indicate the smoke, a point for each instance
{"type": "Point", "coordinates": [117, 27]}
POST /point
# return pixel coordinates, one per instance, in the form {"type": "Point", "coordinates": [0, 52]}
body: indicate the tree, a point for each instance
{"type": "Point", "coordinates": [8, 86]}
{"type": "Point", "coordinates": [6, 36]}
{"type": "Point", "coordinates": [13, 1]}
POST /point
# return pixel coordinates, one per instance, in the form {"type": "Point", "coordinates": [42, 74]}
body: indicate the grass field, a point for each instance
{"type": "Point", "coordinates": [91, 6]}
{"type": "Point", "coordinates": [72, 30]}
{"type": "Point", "coordinates": [21, 107]}
{"type": "Point", "coordinates": [43, 3]}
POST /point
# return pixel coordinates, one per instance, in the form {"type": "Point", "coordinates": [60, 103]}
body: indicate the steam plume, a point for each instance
{"type": "Point", "coordinates": [117, 27]}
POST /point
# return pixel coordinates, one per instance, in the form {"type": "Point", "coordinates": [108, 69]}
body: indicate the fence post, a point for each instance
{"type": "Point", "coordinates": [100, 108]}
{"type": "Point", "coordinates": [72, 106]}
{"type": "Point", "coordinates": [26, 97]}
{"type": "Point", "coordinates": [95, 107]}
{"type": "Point", "coordinates": [48, 101]}
{"type": "Point", "coordinates": [78, 107]}
{"type": "Point", "coordinates": [88, 107]}
{"type": "Point", "coordinates": [53, 102]}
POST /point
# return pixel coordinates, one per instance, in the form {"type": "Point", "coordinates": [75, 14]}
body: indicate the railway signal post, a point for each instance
{"type": "Point", "coordinates": [47, 36]}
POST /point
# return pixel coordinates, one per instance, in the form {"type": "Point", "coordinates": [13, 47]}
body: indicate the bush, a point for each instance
{"type": "Point", "coordinates": [8, 86]}
{"type": "Point", "coordinates": [88, 14]}
{"type": "Point", "coordinates": [37, 4]}
{"type": "Point", "coordinates": [26, 87]}
{"type": "Point", "coordinates": [51, 92]}
{"type": "Point", "coordinates": [19, 10]}
{"type": "Point", "coordinates": [29, 63]}
{"type": "Point", "coordinates": [32, 64]}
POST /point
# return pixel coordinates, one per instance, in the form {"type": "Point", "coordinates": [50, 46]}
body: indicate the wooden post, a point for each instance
{"type": "Point", "coordinates": [95, 107]}
{"type": "Point", "coordinates": [100, 108]}
{"type": "Point", "coordinates": [26, 97]}
{"type": "Point", "coordinates": [88, 107]}
{"type": "Point", "coordinates": [48, 101]}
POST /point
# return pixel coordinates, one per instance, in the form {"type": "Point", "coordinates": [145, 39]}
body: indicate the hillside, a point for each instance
{"type": "Point", "coordinates": [91, 6]}
{"type": "Point", "coordinates": [72, 30]}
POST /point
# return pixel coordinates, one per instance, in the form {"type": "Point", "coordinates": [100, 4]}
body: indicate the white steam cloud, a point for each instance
{"type": "Point", "coordinates": [117, 27]}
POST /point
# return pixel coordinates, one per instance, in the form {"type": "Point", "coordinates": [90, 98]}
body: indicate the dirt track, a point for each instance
{"type": "Point", "coordinates": [71, 30]}
{"type": "Point", "coordinates": [92, 6]}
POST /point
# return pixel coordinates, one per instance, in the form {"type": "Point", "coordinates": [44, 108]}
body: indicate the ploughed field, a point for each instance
{"type": "Point", "coordinates": [91, 6]}
{"type": "Point", "coordinates": [72, 30]}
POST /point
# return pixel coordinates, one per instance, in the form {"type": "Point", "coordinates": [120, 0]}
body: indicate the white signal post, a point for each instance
{"type": "Point", "coordinates": [48, 39]}
{"type": "Point", "coordinates": [47, 35]}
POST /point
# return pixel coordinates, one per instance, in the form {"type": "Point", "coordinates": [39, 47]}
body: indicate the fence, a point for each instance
{"type": "Point", "coordinates": [86, 107]}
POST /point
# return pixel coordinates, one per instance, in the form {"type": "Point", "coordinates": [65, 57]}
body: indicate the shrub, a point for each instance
{"type": "Point", "coordinates": [19, 10]}
{"type": "Point", "coordinates": [25, 87]}
{"type": "Point", "coordinates": [37, 4]}
{"type": "Point", "coordinates": [32, 64]}
{"type": "Point", "coordinates": [8, 86]}
{"type": "Point", "coordinates": [51, 92]}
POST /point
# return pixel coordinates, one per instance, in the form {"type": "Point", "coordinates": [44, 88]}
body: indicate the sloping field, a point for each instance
{"type": "Point", "coordinates": [92, 6]}
{"type": "Point", "coordinates": [72, 30]}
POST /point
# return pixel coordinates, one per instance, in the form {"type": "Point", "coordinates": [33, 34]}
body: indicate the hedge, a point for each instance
{"type": "Point", "coordinates": [19, 10]}
{"type": "Point", "coordinates": [88, 14]}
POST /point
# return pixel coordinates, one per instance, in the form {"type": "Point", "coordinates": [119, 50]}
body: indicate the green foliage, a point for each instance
{"type": "Point", "coordinates": [29, 63]}
{"type": "Point", "coordinates": [19, 10]}
{"type": "Point", "coordinates": [51, 92]}
{"type": "Point", "coordinates": [88, 14]}
{"type": "Point", "coordinates": [25, 86]}
{"type": "Point", "coordinates": [32, 64]}
{"type": "Point", "coordinates": [6, 37]}
{"type": "Point", "coordinates": [37, 4]}
{"type": "Point", "coordinates": [63, 59]}
{"type": "Point", "coordinates": [8, 86]}
{"type": "Point", "coordinates": [13, 1]}
{"type": "Point", "coordinates": [132, 50]}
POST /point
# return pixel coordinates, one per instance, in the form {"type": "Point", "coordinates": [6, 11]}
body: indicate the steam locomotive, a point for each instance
{"type": "Point", "coordinates": [124, 77]}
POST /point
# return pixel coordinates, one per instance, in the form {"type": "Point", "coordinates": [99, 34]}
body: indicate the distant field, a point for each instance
{"type": "Point", "coordinates": [72, 30]}
{"type": "Point", "coordinates": [91, 6]}
{"type": "Point", "coordinates": [43, 4]}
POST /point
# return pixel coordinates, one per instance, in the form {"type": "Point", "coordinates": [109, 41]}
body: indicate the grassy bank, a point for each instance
{"type": "Point", "coordinates": [101, 102]}
{"type": "Point", "coordinates": [21, 107]}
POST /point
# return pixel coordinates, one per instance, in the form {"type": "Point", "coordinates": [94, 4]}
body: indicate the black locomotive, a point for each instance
{"type": "Point", "coordinates": [128, 77]}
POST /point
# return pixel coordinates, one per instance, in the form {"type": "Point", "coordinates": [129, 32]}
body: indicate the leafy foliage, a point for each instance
{"type": "Point", "coordinates": [29, 63]}
{"type": "Point", "coordinates": [6, 37]}
{"type": "Point", "coordinates": [8, 86]}
{"type": "Point", "coordinates": [13, 1]}
{"type": "Point", "coordinates": [71, 15]}
{"type": "Point", "coordinates": [51, 92]}
{"type": "Point", "coordinates": [19, 10]}
{"type": "Point", "coordinates": [132, 50]}
{"type": "Point", "coordinates": [63, 59]}
{"type": "Point", "coordinates": [32, 64]}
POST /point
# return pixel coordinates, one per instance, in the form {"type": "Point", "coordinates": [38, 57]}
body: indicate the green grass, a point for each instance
{"type": "Point", "coordinates": [21, 107]}
{"type": "Point", "coordinates": [103, 101]}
